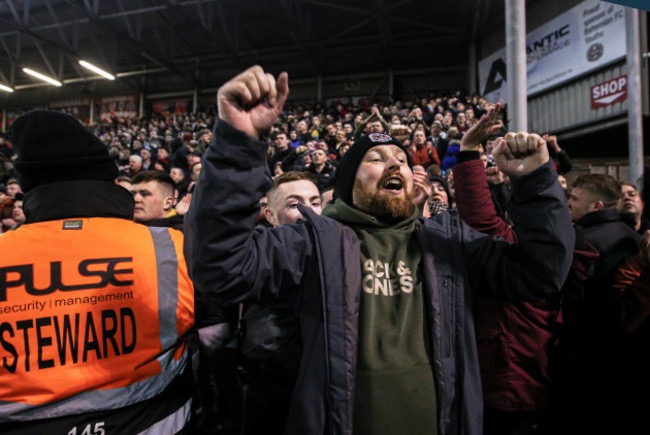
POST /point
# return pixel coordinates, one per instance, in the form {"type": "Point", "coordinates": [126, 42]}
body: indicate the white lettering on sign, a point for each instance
{"type": "Point", "coordinates": [609, 92]}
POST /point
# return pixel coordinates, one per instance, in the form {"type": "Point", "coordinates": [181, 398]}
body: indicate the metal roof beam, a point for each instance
{"type": "Point", "coordinates": [126, 21]}
{"type": "Point", "coordinates": [44, 57]}
{"type": "Point", "coordinates": [14, 11]}
{"type": "Point", "coordinates": [64, 38]}
{"type": "Point", "coordinates": [169, 23]}
{"type": "Point", "coordinates": [335, 6]}
{"type": "Point", "coordinates": [384, 29]}
{"type": "Point", "coordinates": [129, 43]}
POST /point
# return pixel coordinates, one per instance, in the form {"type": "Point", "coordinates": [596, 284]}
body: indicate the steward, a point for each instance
{"type": "Point", "coordinates": [94, 307]}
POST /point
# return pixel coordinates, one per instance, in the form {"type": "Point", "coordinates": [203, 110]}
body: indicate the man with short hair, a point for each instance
{"type": "Point", "coordinates": [134, 166]}
{"type": "Point", "coordinates": [347, 128]}
{"type": "Point", "coordinates": [193, 157]}
{"type": "Point", "coordinates": [153, 193]}
{"type": "Point", "coordinates": [423, 153]}
{"type": "Point", "coordinates": [289, 190]}
{"type": "Point", "coordinates": [204, 141]}
{"type": "Point", "coordinates": [283, 152]}
{"type": "Point", "coordinates": [383, 297]}
{"type": "Point", "coordinates": [322, 168]}
{"type": "Point", "coordinates": [17, 213]}
{"type": "Point", "coordinates": [438, 138]}
{"type": "Point", "coordinates": [588, 346]}
{"type": "Point", "coordinates": [13, 187]}
{"type": "Point", "coordinates": [147, 161]}
{"type": "Point", "coordinates": [271, 340]}
{"type": "Point", "coordinates": [303, 131]}
{"type": "Point", "coordinates": [180, 180]}
{"type": "Point", "coordinates": [631, 206]}
{"type": "Point", "coordinates": [100, 348]}
{"type": "Point", "coordinates": [592, 205]}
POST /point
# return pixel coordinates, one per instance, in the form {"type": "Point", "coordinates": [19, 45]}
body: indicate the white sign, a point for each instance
{"type": "Point", "coordinates": [584, 38]}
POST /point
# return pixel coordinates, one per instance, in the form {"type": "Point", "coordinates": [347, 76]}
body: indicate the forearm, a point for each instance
{"type": "Point", "coordinates": [563, 162]}
{"type": "Point", "coordinates": [474, 200]}
{"type": "Point", "coordinates": [224, 208]}
{"type": "Point", "coordinates": [358, 132]}
{"type": "Point", "coordinates": [537, 265]}
{"type": "Point", "coordinates": [542, 223]}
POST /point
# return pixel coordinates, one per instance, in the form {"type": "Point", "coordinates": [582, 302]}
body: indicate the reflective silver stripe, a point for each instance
{"type": "Point", "coordinates": [173, 423]}
{"type": "Point", "coordinates": [167, 265]}
{"type": "Point", "coordinates": [96, 400]}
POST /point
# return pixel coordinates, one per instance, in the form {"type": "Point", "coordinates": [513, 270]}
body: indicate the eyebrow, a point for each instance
{"type": "Point", "coordinates": [298, 197]}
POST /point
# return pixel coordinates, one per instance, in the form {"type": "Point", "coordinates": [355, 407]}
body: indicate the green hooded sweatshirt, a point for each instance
{"type": "Point", "coordinates": [395, 390]}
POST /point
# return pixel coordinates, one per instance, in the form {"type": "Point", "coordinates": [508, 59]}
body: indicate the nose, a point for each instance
{"type": "Point", "coordinates": [392, 163]}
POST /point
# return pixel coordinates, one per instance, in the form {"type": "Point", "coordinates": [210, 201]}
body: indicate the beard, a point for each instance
{"type": "Point", "coordinates": [382, 205]}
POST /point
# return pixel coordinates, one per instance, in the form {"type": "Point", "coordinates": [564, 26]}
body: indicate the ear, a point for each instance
{"type": "Point", "coordinates": [598, 205]}
{"type": "Point", "coordinates": [270, 217]}
{"type": "Point", "coordinates": [168, 203]}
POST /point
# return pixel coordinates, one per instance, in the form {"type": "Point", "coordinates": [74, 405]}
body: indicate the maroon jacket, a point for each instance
{"type": "Point", "coordinates": [425, 156]}
{"type": "Point", "coordinates": [513, 339]}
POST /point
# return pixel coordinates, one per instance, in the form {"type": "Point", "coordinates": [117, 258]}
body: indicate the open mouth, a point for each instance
{"type": "Point", "coordinates": [393, 185]}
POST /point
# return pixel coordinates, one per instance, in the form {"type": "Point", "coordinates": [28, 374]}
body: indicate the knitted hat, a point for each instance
{"type": "Point", "coordinates": [444, 184]}
{"type": "Point", "coordinates": [346, 172]}
{"type": "Point", "coordinates": [54, 146]}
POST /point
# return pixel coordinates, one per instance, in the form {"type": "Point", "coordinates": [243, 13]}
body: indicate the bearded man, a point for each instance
{"type": "Point", "coordinates": [384, 298]}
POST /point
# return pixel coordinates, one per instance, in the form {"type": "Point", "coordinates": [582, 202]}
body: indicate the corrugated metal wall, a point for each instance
{"type": "Point", "coordinates": [570, 105]}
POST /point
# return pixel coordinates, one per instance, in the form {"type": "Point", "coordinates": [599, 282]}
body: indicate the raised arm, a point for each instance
{"type": "Point", "coordinates": [231, 260]}
{"type": "Point", "coordinates": [538, 263]}
{"type": "Point", "coordinates": [473, 197]}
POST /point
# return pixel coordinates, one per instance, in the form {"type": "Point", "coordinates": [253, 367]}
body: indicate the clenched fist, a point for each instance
{"type": "Point", "coordinates": [252, 101]}
{"type": "Point", "coordinates": [518, 154]}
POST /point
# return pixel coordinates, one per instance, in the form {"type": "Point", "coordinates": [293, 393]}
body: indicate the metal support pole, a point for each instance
{"type": "Point", "coordinates": [91, 117]}
{"type": "Point", "coordinates": [195, 101]}
{"type": "Point", "coordinates": [516, 64]}
{"type": "Point", "coordinates": [391, 84]}
{"type": "Point", "coordinates": [634, 101]}
{"type": "Point", "coordinates": [141, 105]}
{"type": "Point", "coordinates": [4, 120]}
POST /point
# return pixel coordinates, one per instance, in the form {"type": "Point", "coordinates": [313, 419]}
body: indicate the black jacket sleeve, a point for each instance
{"type": "Point", "coordinates": [539, 262]}
{"type": "Point", "coordinates": [232, 259]}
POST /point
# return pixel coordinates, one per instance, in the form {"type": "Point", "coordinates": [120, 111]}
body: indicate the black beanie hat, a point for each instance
{"type": "Point", "coordinates": [54, 146]}
{"type": "Point", "coordinates": [347, 169]}
{"type": "Point", "coordinates": [444, 184]}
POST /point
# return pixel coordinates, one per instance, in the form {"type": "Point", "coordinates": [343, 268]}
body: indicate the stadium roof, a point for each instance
{"type": "Point", "coordinates": [155, 46]}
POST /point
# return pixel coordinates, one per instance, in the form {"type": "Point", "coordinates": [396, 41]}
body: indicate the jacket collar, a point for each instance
{"type": "Point", "coordinates": [78, 199]}
{"type": "Point", "coordinates": [599, 217]}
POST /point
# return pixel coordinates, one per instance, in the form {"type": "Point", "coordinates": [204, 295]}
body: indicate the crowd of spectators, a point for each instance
{"type": "Point", "coordinates": [521, 346]}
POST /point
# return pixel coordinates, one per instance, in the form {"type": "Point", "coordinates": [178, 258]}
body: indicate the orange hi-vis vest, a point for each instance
{"type": "Point", "coordinates": [93, 313]}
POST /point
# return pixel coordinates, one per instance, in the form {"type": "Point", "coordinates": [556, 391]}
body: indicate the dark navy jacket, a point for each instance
{"type": "Point", "coordinates": [315, 264]}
